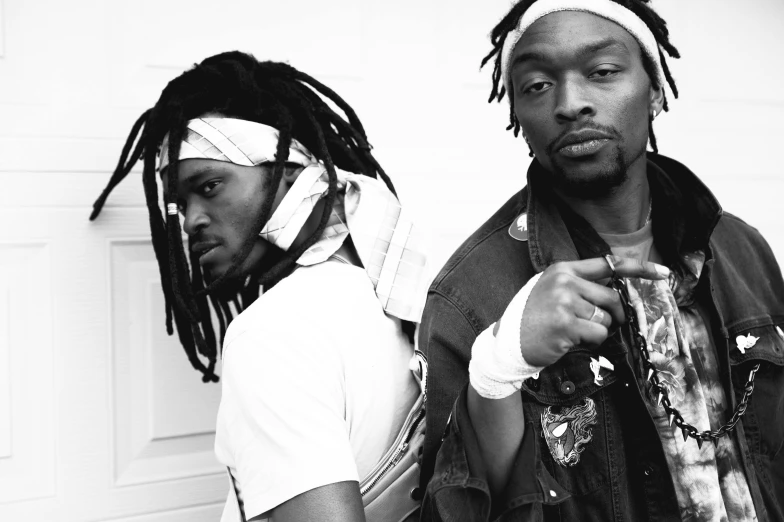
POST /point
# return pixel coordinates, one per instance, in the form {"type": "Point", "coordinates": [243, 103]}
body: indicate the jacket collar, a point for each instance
{"type": "Point", "coordinates": [685, 212]}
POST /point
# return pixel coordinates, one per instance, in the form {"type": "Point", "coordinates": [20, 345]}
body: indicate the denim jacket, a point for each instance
{"type": "Point", "coordinates": [622, 474]}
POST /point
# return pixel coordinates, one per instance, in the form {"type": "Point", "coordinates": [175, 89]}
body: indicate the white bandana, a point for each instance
{"type": "Point", "coordinates": [364, 209]}
{"type": "Point", "coordinates": [605, 8]}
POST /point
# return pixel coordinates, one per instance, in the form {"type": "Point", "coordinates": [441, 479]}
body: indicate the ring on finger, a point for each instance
{"type": "Point", "coordinates": [597, 315]}
{"type": "Point", "coordinates": [608, 258]}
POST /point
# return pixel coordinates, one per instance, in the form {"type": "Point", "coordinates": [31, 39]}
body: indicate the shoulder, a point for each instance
{"type": "Point", "coordinates": [731, 226]}
{"type": "Point", "coordinates": [486, 271]}
{"type": "Point", "coordinates": [308, 311]}
{"type": "Point", "coordinates": [310, 293]}
{"type": "Point", "coordinates": [489, 242]}
{"type": "Point", "coordinates": [744, 257]}
{"type": "Point", "coordinates": [734, 237]}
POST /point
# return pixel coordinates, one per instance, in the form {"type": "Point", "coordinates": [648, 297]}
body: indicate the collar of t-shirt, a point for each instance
{"type": "Point", "coordinates": [635, 245]}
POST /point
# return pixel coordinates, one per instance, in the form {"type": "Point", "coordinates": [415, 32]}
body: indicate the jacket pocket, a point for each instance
{"type": "Point", "coordinates": [573, 442]}
{"type": "Point", "coordinates": [761, 344]}
{"type": "Point", "coordinates": [568, 409]}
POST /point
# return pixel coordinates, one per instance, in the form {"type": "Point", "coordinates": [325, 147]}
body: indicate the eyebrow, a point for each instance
{"type": "Point", "coordinates": [582, 53]}
{"type": "Point", "coordinates": [195, 178]}
{"type": "Point", "coordinates": [207, 170]}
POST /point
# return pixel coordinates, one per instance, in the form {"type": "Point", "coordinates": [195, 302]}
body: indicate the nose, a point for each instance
{"type": "Point", "coordinates": [195, 219]}
{"type": "Point", "coordinates": [573, 102]}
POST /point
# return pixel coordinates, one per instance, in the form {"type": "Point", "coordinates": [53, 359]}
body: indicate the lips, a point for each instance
{"type": "Point", "coordinates": [202, 248]}
{"type": "Point", "coordinates": [584, 148]}
{"type": "Point", "coordinates": [582, 143]}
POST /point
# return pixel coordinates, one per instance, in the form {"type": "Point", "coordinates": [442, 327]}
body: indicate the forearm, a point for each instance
{"type": "Point", "coordinates": [499, 425]}
{"type": "Point", "coordinates": [495, 405]}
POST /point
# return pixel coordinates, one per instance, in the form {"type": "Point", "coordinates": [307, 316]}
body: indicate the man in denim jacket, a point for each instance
{"type": "Point", "coordinates": [552, 396]}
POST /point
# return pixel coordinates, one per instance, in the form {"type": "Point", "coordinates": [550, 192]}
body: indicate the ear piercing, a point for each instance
{"type": "Point", "coordinates": [530, 150]}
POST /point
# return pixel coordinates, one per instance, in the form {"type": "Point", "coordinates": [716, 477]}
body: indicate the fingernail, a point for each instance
{"type": "Point", "coordinates": [661, 270]}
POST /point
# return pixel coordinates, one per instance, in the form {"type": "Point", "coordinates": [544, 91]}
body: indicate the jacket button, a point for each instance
{"type": "Point", "coordinates": [567, 387]}
{"type": "Point", "coordinates": [647, 471]}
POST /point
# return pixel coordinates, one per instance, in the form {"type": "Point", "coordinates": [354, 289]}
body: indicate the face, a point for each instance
{"type": "Point", "coordinates": [583, 100]}
{"type": "Point", "coordinates": [220, 202]}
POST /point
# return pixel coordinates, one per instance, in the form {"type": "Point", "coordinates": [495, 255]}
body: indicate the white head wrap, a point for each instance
{"type": "Point", "coordinates": [365, 209]}
{"type": "Point", "coordinates": [605, 8]}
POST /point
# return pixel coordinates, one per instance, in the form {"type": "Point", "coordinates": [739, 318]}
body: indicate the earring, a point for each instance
{"type": "Point", "coordinates": [530, 150]}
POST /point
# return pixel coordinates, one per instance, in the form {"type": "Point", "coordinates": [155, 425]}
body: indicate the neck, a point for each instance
{"type": "Point", "coordinates": [622, 211]}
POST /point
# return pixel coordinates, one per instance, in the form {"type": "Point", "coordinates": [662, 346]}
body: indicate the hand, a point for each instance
{"type": "Point", "coordinates": [567, 307]}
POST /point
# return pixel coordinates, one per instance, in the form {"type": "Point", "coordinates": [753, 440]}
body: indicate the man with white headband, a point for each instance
{"type": "Point", "coordinates": [279, 193]}
{"type": "Point", "coordinates": [608, 345]}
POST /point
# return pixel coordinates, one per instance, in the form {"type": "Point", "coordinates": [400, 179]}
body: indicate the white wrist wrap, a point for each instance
{"type": "Point", "coordinates": [497, 368]}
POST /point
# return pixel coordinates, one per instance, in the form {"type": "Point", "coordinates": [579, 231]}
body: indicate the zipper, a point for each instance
{"type": "Point", "coordinates": [397, 454]}
{"type": "Point", "coordinates": [414, 418]}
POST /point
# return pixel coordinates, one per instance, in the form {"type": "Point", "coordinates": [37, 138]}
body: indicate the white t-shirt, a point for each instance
{"type": "Point", "coordinates": [316, 385]}
{"type": "Point", "coordinates": [635, 245]}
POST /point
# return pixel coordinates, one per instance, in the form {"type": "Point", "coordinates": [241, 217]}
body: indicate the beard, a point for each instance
{"type": "Point", "coordinates": [600, 181]}
{"type": "Point", "coordinates": [588, 179]}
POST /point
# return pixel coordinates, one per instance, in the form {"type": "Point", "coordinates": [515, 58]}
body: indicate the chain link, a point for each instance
{"type": "Point", "coordinates": [651, 375]}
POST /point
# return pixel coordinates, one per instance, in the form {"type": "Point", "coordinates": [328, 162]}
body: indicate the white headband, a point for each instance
{"type": "Point", "coordinates": [241, 142]}
{"type": "Point", "coordinates": [605, 8]}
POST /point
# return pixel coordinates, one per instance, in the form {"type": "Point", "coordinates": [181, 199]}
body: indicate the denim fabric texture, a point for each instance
{"type": "Point", "coordinates": [622, 474]}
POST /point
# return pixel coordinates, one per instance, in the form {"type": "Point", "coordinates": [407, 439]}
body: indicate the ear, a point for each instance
{"type": "Point", "coordinates": [291, 172]}
{"type": "Point", "coordinates": [656, 100]}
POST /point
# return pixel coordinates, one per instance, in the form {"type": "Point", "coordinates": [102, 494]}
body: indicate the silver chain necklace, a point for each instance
{"type": "Point", "coordinates": [659, 391]}
{"type": "Point", "coordinates": [650, 211]}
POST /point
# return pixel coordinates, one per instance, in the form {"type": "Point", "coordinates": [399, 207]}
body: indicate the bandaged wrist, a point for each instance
{"type": "Point", "coordinates": [498, 368]}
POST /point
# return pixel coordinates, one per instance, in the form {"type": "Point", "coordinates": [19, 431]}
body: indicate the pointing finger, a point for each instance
{"type": "Point", "coordinates": [598, 268]}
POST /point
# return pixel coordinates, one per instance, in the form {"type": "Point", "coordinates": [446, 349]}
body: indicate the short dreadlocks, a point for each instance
{"type": "Point", "coordinates": [236, 85]}
{"type": "Point", "coordinates": [653, 21]}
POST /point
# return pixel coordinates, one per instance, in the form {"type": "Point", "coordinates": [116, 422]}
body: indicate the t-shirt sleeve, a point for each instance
{"type": "Point", "coordinates": [282, 417]}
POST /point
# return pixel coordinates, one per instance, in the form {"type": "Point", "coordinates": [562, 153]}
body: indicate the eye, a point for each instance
{"type": "Point", "coordinates": [604, 72]}
{"type": "Point", "coordinates": [536, 87]}
{"type": "Point", "coordinates": [209, 186]}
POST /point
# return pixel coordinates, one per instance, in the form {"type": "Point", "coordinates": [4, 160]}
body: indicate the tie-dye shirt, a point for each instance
{"type": "Point", "coordinates": [709, 482]}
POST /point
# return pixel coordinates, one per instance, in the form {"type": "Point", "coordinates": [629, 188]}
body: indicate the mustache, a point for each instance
{"type": "Point", "coordinates": [612, 131]}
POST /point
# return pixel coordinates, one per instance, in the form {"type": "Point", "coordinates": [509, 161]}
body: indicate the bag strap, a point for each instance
{"type": "Point", "coordinates": [240, 503]}
{"type": "Point", "coordinates": [418, 367]}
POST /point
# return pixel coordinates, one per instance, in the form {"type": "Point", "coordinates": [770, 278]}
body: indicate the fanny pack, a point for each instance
{"type": "Point", "coordinates": [390, 492]}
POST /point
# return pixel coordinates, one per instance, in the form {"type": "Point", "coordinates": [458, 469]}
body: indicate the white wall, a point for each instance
{"type": "Point", "coordinates": [101, 417]}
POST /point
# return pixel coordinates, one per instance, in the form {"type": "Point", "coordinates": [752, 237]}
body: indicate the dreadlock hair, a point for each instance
{"type": "Point", "coordinates": [236, 85]}
{"type": "Point", "coordinates": [644, 12]}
